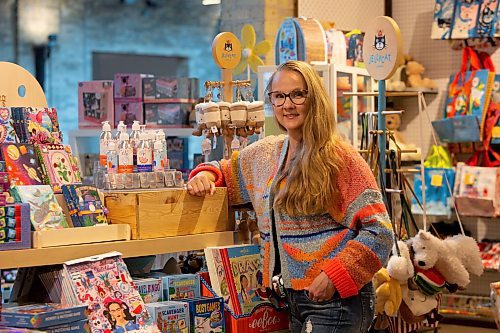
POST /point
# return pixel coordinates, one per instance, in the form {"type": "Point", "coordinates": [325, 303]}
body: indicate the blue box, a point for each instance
{"type": "Point", "coordinates": [206, 314]}
{"type": "Point", "coordinates": [41, 315]}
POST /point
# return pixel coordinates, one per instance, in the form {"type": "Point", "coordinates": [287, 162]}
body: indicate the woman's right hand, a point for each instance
{"type": "Point", "coordinates": [201, 184]}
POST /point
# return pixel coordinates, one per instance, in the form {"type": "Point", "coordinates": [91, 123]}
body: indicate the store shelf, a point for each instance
{"type": "Point", "coordinates": [132, 248]}
{"type": "Point", "coordinates": [391, 93]}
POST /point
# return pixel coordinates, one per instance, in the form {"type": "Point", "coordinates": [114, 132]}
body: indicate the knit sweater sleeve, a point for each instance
{"type": "Point", "coordinates": [241, 171]}
{"type": "Point", "coordinates": [361, 208]}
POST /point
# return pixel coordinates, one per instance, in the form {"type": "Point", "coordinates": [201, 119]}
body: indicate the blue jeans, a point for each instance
{"type": "Point", "coordinates": [337, 315]}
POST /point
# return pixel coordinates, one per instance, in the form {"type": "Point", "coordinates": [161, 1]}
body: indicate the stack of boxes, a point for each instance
{"type": "Point", "coordinates": [158, 102]}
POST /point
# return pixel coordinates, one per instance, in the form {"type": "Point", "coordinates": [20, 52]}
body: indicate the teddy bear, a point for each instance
{"type": "Point", "coordinates": [395, 82]}
{"type": "Point", "coordinates": [388, 293]}
{"type": "Point", "coordinates": [432, 252]}
{"type": "Point", "coordinates": [414, 71]}
{"type": "Point", "coordinates": [392, 123]}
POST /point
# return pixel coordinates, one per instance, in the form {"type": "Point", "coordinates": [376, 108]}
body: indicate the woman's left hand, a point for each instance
{"type": "Point", "coordinates": [322, 288]}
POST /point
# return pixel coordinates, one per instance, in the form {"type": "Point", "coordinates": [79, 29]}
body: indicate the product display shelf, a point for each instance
{"type": "Point", "coordinates": [132, 248]}
{"type": "Point", "coordinates": [75, 135]}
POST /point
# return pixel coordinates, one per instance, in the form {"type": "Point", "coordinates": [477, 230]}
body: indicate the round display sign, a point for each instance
{"type": "Point", "coordinates": [382, 47]}
{"type": "Point", "coordinates": [226, 50]}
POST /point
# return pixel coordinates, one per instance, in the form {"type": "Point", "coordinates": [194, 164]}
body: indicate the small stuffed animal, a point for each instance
{"type": "Point", "coordinates": [388, 293]}
{"type": "Point", "coordinates": [430, 251]}
{"type": "Point", "coordinates": [392, 123]}
{"type": "Point", "coordinates": [395, 83]}
{"type": "Point", "coordinates": [238, 112]}
{"type": "Point", "coordinates": [256, 116]}
{"type": "Point", "coordinates": [211, 116]}
{"type": "Point", "coordinates": [414, 71]}
{"type": "Point", "coordinates": [225, 117]}
{"type": "Point", "coordinates": [200, 121]}
{"type": "Point", "coordinates": [467, 250]}
{"type": "Point", "coordinates": [416, 306]}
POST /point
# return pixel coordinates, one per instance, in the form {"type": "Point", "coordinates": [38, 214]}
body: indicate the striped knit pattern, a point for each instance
{"type": "Point", "coordinates": [350, 242]}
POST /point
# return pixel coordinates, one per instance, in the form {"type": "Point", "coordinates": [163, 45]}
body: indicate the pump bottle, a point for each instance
{"type": "Point", "coordinates": [104, 139]}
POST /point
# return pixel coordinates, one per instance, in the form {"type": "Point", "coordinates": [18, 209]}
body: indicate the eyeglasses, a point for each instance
{"type": "Point", "coordinates": [278, 98]}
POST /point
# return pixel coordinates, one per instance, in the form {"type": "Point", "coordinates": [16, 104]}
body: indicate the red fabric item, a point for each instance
{"type": "Point", "coordinates": [219, 180]}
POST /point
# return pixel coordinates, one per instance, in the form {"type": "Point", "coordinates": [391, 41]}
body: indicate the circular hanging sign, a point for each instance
{"type": "Point", "coordinates": [382, 47]}
{"type": "Point", "coordinates": [226, 50]}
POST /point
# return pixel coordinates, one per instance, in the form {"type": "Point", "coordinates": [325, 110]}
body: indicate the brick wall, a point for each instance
{"type": "Point", "coordinates": [183, 28]}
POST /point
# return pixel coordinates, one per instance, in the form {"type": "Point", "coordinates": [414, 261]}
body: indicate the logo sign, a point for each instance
{"type": "Point", "coordinates": [382, 47]}
{"type": "Point", "coordinates": [226, 50]}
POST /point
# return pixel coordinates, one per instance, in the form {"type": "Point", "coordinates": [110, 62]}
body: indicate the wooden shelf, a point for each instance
{"type": "Point", "coordinates": [391, 93]}
{"type": "Point", "coordinates": [132, 248]}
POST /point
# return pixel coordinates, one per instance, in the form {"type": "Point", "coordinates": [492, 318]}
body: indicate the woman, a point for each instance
{"type": "Point", "coordinates": [323, 224]}
{"type": "Point", "coordinates": [119, 316]}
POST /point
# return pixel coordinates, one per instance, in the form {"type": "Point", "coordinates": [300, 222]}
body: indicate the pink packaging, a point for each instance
{"type": "Point", "coordinates": [129, 85]}
{"type": "Point", "coordinates": [95, 103]}
{"type": "Point", "coordinates": [128, 112]}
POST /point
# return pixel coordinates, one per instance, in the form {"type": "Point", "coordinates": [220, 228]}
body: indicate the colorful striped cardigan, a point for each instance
{"type": "Point", "coordinates": [350, 242]}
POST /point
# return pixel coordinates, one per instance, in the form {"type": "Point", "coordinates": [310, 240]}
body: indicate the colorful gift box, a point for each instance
{"type": "Point", "coordinates": [22, 240]}
{"type": "Point", "coordinates": [167, 114]}
{"type": "Point", "coordinates": [129, 85]}
{"type": "Point", "coordinates": [173, 89]}
{"type": "Point", "coordinates": [95, 103]}
{"type": "Point", "coordinates": [128, 111]}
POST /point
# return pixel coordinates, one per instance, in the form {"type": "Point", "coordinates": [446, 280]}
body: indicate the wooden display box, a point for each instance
{"type": "Point", "coordinates": [81, 235]}
{"type": "Point", "coordinates": [168, 212]}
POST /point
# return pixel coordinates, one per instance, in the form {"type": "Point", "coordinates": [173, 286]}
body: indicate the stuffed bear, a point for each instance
{"type": "Point", "coordinates": [392, 123]}
{"type": "Point", "coordinates": [467, 250]}
{"type": "Point", "coordinates": [414, 71]}
{"type": "Point", "coordinates": [430, 251]}
{"type": "Point", "coordinates": [387, 292]}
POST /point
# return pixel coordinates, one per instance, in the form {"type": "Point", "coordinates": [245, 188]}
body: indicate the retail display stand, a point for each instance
{"type": "Point", "coordinates": [19, 87]}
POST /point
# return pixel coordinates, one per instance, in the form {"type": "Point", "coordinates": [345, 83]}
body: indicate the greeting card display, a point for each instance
{"type": "Point", "coordinates": [22, 164]}
{"type": "Point", "coordinates": [7, 132]}
{"type": "Point", "coordinates": [42, 125]}
{"type": "Point", "coordinates": [45, 212]}
{"type": "Point", "coordinates": [103, 283]}
{"type": "Point", "coordinates": [58, 165]}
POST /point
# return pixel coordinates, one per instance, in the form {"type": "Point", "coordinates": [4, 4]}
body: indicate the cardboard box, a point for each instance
{"type": "Point", "coordinates": [160, 115]}
{"type": "Point", "coordinates": [161, 88]}
{"type": "Point", "coordinates": [168, 212]}
{"type": "Point", "coordinates": [128, 111]}
{"type": "Point", "coordinates": [95, 103]}
{"type": "Point", "coordinates": [129, 85]}
{"type": "Point", "coordinates": [22, 238]}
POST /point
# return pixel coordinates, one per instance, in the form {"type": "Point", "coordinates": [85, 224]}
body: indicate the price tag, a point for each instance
{"type": "Point", "coordinates": [235, 144]}
{"type": "Point", "coordinates": [205, 147]}
{"type": "Point", "coordinates": [469, 179]}
{"type": "Point", "coordinates": [437, 180]}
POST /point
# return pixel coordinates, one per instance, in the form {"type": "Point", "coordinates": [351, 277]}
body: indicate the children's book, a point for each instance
{"type": "Point", "coordinates": [58, 165]}
{"type": "Point", "coordinates": [41, 315]}
{"type": "Point", "coordinates": [104, 284]}
{"type": "Point", "coordinates": [170, 317]}
{"type": "Point", "coordinates": [85, 205]}
{"type": "Point", "coordinates": [7, 132]}
{"type": "Point", "coordinates": [150, 289]}
{"type": "Point", "coordinates": [22, 164]}
{"type": "Point", "coordinates": [42, 125]}
{"type": "Point", "coordinates": [206, 315]}
{"type": "Point", "coordinates": [45, 211]}
{"type": "Point", "coordinates": [241, 274]}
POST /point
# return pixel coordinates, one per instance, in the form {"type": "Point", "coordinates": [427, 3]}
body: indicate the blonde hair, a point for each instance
{"type": "Point", "coordinates": [312, 173]}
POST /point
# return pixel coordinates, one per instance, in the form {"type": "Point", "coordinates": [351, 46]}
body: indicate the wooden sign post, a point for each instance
{"type": "Point", "coordinates": [382, 49]}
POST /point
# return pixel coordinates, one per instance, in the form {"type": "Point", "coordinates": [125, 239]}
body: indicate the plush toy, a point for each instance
{"type": "Point", "coordinates": [200, 121]}
{"type": "Point", "coordinates": [238, 112]}
{"type": "Point", "coordinates": [400, 267]}
{"type": "Point", "coordinates": [416, 307]}
{"type": "Point", "coordinates": [387, 292]}
{"type": "Point", "coordinates": [430, 251]}
{"type": "Point", "coordinates": [256, 116]}
{"type": "Point", "coordinates": [225, 117]}
{"type": "Point", "coordinates": [211, 116]}
{"type": "Point", "coordinates": [392, 123]}
{"type": "Point", "coordinates": [414, 71]}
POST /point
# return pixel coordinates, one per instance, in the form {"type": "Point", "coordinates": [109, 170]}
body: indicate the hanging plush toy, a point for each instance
{"type": "Point", "coordinates": [400, 267]}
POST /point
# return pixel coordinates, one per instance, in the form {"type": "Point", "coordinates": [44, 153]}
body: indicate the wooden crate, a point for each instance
{"type": "Point", "coordinates": [82, 235]}
{"type": "Point", "coordinates": [168, 212]}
